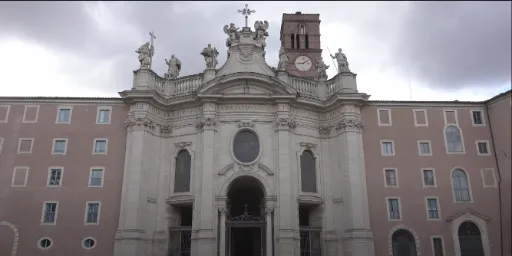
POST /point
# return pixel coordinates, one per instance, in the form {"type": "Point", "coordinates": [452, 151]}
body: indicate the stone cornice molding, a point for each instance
{"type": "Point", "coordinates": [285, 123]}
{"type": "Point", "coordinates": [350, 124]}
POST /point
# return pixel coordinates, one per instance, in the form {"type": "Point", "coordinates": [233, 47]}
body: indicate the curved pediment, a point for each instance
{"type": "Point", "coordinates": [246, 84]}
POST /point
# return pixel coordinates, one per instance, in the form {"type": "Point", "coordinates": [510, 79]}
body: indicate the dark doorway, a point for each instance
{"type": "Point", "coordinates": [403, 243]}
{"type": "Point", "coordinates": [245, 224]}
{"type": "Point", "coordinates": [470, 240]}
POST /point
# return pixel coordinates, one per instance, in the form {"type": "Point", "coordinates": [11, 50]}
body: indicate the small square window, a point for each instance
{"type": "Point", "coordinates": [25, 145]}
{"type": "Point", "coordinates": [55, 177]}
{"type": "Point", "coordinates": [4, 113]}
{"type": "Point", "coordinates": [394, 209]}
{"type": "Point", "coordinates": [50, 210]}
{"type": "Point", "coordinates": [64, 115]}
{"type": "Point", "coordinates": [100, 146]}
{"type": "Point", "coordinates": [483, 148]}
{"type": "Point", "coordinates": [477, 118]}
{"type": "Point", "coordinates": [19, 176]}
{"type": "Point", "coordinates": [96, 177]}
{"type": "Point", "coordinates": [390, 176]}
{"type": "Point", "coordinates": [424, 148]}
{"type": "Point", "coordinates": [384, 117]}
{"type": "Point", "coordinates": [387, 148]}
{"type": "Point", "coordinates": [92, 213]}
{"type": "Point", "coordinates": [429, 178]}
{"type": "Point", "coordinates": [433, 209]}
{"type": "Point", "coordinates": [31, 114]}
{"type": "Point", "coordinates": [59, 146]}
{"type": "Point", "coordinates": [420, 117]}
{"type": "Point", "coordinates": [103, 116]}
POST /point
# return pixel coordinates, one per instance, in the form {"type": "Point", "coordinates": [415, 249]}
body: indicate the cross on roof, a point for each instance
{"type": "Point", "coordinates": [246, 12]}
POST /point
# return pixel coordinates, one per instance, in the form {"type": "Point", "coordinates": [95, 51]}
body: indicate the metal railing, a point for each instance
{"type": "Point", "coordinates": [180, 241]}
{"type": "Point", "coordinates": [310, 241]}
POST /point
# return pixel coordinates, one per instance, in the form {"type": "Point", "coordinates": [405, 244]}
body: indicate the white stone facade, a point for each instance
{"type": "Point", "coordinates": [202, 114]}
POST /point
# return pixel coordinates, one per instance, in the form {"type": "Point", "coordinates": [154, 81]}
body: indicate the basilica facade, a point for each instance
{"type": "Point", "coordinates": [247, 159]}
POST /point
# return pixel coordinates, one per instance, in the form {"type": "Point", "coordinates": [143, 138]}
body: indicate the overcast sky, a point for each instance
{"type": "Point", "coordinates": [441, 50]}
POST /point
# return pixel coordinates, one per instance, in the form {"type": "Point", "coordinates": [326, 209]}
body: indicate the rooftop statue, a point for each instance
{"type": "Point", "coordinates": [261, 32]}
{"type": "Point", "coordinates": [210, 56]}
{"type": "Point", "coordinates": [174, 67]}
{"type": "Point", "coordinates": [145, 52]}
{"type": "Point", "coordinates": [321, 69]}
{"type": "Point", "coordinates": [231, 30]}
{"type": "Point", "coordinates": [341, 58]}
{"type": "Point", "coordinates": [283, 60]}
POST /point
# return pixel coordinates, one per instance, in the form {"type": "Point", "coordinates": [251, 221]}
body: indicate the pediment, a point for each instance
{"type": "Point", "coordinates": [246, 85]}
{"type": "Point", "coordinates": [468, 212]}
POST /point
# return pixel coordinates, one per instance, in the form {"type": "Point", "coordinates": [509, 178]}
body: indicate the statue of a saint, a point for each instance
{"type": "Point", "coordinates": [261, 32]}
{"type": "Point", "coordinates": [341, 58]}
{"type": "Point", "coordinates": [283, 60]}
{"type": "Point", "coordinates": [231, 31]}
{"type": "Point", "coordinates": [174, 67]}
{"type": "Point", "coordinates": [145, 52]}
{"type": "Point", "coordinates": [321, 69]}
{"type": "Point", "coordinates": [210, 56]}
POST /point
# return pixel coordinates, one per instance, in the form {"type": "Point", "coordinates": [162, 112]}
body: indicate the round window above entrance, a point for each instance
{"type": "Point", "coordinates": [246, 146]}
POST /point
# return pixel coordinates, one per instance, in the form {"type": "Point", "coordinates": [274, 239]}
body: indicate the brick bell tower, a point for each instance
{"type": "Point", "coordinates": [300, 36]}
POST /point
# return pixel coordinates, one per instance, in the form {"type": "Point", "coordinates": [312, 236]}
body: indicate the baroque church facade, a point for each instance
{"type": "Point", "coordinates": [247, 159]}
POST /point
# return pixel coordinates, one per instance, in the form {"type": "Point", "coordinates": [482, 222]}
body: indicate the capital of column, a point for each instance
{"type": "Point", "coordinates": [207, 123]}
{"type": "Point", "coordinates": [285, 124]}
{"type": "Point", "coordinates": [353, 123]}
{"type": "Point", "coordinates": [269, 210]}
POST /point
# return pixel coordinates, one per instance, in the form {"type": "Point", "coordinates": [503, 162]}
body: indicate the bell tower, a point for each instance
{"type": "Point", "coordinates": [300, 36]}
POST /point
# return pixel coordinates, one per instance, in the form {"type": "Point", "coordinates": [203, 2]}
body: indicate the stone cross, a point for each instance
{"type": "Point", "coordinates": [246, 11]}
{"type": "Point", "coordinates": [151, 37]}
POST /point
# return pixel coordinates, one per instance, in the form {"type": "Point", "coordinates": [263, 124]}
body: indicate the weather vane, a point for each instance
{"type": "Point", "coordinates": [246, 11]}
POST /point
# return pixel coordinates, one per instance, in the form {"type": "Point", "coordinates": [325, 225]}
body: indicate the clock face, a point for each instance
{"type": "Point", "coordinates": [303, 63]}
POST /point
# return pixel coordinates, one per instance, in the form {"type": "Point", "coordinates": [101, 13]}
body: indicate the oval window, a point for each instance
{"type": "Point", "coordinates": [89, 243]}
{"type": "Point", "coordinates": [45, 243]}
{"type": "Point", "coordinates": [246, 146]}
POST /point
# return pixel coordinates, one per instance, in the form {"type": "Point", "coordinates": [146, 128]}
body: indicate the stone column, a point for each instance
{"type": "Point", "coordinates": [288, 226]}
{"type": "Point", "coordinates": [203, 234]}
{"type": "Point", "coordinates": [268, 234]}
{"type": "Point", "coordinates": [222, 238]}
{"type": "Point", "coordinates": [357, 235]}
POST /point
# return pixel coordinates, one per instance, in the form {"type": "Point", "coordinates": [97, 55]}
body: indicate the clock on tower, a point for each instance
{"type": "Point", "coordinates": [300, 36]}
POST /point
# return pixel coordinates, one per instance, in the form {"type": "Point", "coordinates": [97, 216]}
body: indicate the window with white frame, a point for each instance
{"type": "Point", "coordinates": [50, 212]}
{"type": "Point", "coordinates": [89, 243]}
{"type": "Point", "coordinates": [55, 177]}
{"type": "Point", "coordinates": [25, 145]}
{"type": "Point", "coordinates": [96, 177]}
{"type": "Point", "coordinates": [4, 113]}
{"type": "Point", "coordinates": [100, 146]}
{"type": "Point", "coordinates": [432, 208]}
{"type": "Point", "coordinates": [44, 243]}
{"type": "Point", "coordinates": [64, 115]}
{"type": "Point", "coordinates": [92, 213]}
{"type": "Point", "coordinates": [19, 176]}
{"type": "Point", "coordinates": [429, 178]}
{"type": "Point", "coordinates": [420, 117]}
{"type": "Point", "coordinates": [437, 244]}
{"type": "Point", "coordinates": [103, 115]}
{"type": "Point", "coordinates": [482, 147]}
{"type": "Point", "coordinates": [31, 114]}
{"type": "Point", "coordinates": [460, 185]}
{"type": "Point", "coordinates": [387, 148]}
{"type": "Point", "coordinates": [477, 117]}
{"type": "Point", "coordinates": [1, 144]}
{"type": "Point", "coordinates": [393, 209]}
{"type": "Point", "coordinates": [384, 117]}
{"type": "Point", "coordinates": [424, 148]}
{"type": "Point", "coordinates": [390, 177]}
{"type": "Point", "coordinates": [488, 178]}
{"type": "Point", "coordinates": [59, 146]}
{"type": "Point", "coordinates": [453, 139]}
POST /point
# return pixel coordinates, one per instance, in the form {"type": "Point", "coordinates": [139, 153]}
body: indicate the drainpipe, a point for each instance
{"type": "Point", "coordinates": [499, 178]}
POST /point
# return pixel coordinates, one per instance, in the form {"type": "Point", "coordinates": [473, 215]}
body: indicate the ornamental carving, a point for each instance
{"type": "Point", "coordinates": [244, 124]}
{"type": "Point", "coordinates": [207, 122]}
{"type": "Point", "coordinates": [165, 129]}
{"type": "Point", "coordinates": [246, 168]}
{"type": "Point", "coordinates": [286, 123]}
{"type": "Point", "coordinates": [182, 144]}
{"type": "Point", "coordinates": [324, 130]}
{"type": "Point", "coordinates": [132, 120]}
{"type": "Point", "coordinates": [308, 145]}
{"type": "Point", "coordinates": [350, 124]}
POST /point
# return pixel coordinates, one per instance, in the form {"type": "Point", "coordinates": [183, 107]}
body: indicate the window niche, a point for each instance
{"type": "Point", "coordinates": [308, 166]}
{"type": "Point", "coordinates": [183, 163]}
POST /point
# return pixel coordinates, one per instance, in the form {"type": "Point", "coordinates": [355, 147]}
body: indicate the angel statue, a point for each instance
{"type": "Point", "coordinates": [341, 58]}
{"type": "Point", "coordinates": [145, 52]}
{"type": "Point", "coordinates": [283, 60]}
{"type": "Point", "coordinates": [261, 32]}
{"type": "Point", "coordinates": [231, 31]}
{"type": "Point", "coordinates": [174, 67]}
{"type": "Point", "coordinates": [321, 69]}
{"type": "Point", "coordinates": [210, 56]}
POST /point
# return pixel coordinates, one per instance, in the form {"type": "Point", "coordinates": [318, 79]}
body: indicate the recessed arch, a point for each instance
{"type": "Point", "coordinates": [411, 231]}
{"type": "Point", "coordinates": [267, 190]}
{"type": "Point", "coordinates": [14, 249]}
{"type": "Point", "coordinates": [308, 165]}
{"type": "Point", "coordinates": [246, 194]}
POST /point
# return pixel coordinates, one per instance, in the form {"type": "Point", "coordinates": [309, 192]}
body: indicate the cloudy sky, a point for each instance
{"type": "Point", "coordinates": [400, 50]}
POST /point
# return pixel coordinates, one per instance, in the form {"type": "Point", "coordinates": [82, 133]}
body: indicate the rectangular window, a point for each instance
{"type": "Point", "coordinates": [31, 114]}
{"type": "Point", "coordinates": [59, 146]}
{"type": "Point", "coordinates": [432, 209]}
{"type": "Point", "coordinates": [64, 115]}
{"type": "Point", "coordinates": [103, 116]}
{"type": "Point", "coordinates": [482, 147]}
{"type": "Point", "coordinates": [387, 148]}
{"type": "Point", "coordinates": [100, 146]}
{"type": "Point", "coordinates": [420, 117]}
{"type": "Point", "coordinates": [384, 116]}
{"type": "Point", "coordinates": [50, 210]}
{"type": "Point", "coordinates": [55, 177]}
{"type": "Point", "coordinates": [96, 177]}
{"type": "Point", "coordinates": [489, 178]}
{"type": "Point", "coordinates": [437, 244]}
{"type": "Point", "coordinates": [477, 118]}
{"type": "Point", "coordinates": [25, 145]}
{"type": "Point", "coordinates": [393, 209]}
{"type": "Point", "coordinates": [92, 213]}
{"type": "Point", "coordinates": [4, 113]}
{"type": "Point", "coordinates": [390, 176]}
{"type": "Point", "coordinates": [424, 148]}
{"type": "Point", "coordinates": [450, 117]}
{"type": "Point", "coordinates": [429, 178]}
{"type": "Point", "coordinates": [19, 176]}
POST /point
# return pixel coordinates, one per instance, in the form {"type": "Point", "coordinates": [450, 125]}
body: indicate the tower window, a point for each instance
{"type": "Point", "coordinates": [307, 41]}
{"type": "Point", "coordinates": [302, 30]}
{"type": "Point", "coordinates": [293, 40]}
{"type": "Point", "coordinates": [298, 41]}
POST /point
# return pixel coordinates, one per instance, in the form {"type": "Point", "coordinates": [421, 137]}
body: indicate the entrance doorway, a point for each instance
{"type": "Point", "coordinates": [245, 224]}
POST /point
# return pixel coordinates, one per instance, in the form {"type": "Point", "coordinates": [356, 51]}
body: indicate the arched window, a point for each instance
{"type": "Point", "coordinates": [307, 41]}
{"type": "Point", "coordinates": [297, 37]}
{"type": "Point", "coordinates": [460, 186]}
{"type": "Point", "coordinates": [308, 171]}
{"type": "Point", "coordinates": [182, 172]}
{"type": "Point", "coordinates": [453, 139]}
{"type": "Point", "coordinates": [302, 29]}
{"type": "Point", "coordinates": [403, 243]}
{"type": "Point", "coordinates": [470, 240]}
{"type": "Point", "coordinates": [293, 40]}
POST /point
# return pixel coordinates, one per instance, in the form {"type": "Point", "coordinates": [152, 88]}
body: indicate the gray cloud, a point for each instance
{"type": "Point", "coordinates": [452, 45]}
{"type": "Point", "coordinates": [447, 44]}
